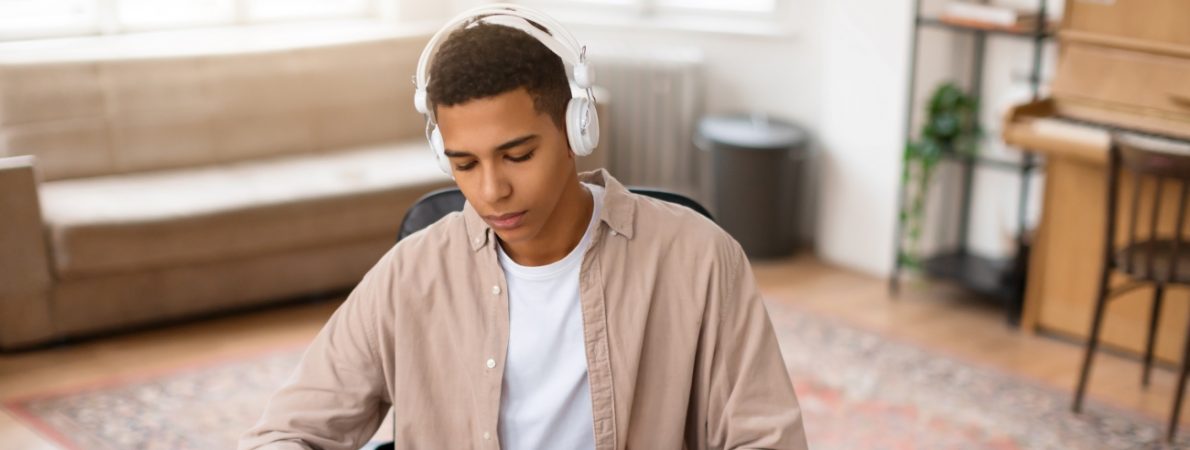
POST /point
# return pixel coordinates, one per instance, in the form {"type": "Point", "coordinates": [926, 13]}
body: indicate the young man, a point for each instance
{"type": "Point", "coordinates": [557, 311]}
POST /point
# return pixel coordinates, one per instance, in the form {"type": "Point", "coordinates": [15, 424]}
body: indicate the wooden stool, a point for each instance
{"type": "Point", "coordinates": [1151, 260]}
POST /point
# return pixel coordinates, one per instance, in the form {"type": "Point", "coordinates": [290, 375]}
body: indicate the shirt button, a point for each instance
{"type": "Point", "coordinates": [487, 436]}
{"type": "Point", "coordinates": [496, 290]}
{"type": "Point", "coordinates": [478, 240]}
{"type": "Point", "coordinates": [491, 363]}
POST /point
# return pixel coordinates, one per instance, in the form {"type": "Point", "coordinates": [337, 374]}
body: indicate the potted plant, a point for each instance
{"type": "Point", "coordinates": [951, 127]}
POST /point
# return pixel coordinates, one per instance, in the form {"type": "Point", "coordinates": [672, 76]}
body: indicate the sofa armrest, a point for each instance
{"type": "Point", "coordinates": [25, 279]}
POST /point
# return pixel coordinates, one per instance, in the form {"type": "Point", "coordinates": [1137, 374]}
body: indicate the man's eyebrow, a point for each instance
{"type": "Point", "coordinates": [502, 147]}
{"type": "Point", "coordinates": [516, 142]}
{"type": "Point", "coordinates": [457, 154]}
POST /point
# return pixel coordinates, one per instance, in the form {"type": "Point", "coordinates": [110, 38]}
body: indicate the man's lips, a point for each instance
{"type": "Point", "coordinates": [505, 221]}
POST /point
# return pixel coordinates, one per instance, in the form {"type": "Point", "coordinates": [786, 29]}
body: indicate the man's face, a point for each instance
{"type": "Point", "coordinates": [510, 161]}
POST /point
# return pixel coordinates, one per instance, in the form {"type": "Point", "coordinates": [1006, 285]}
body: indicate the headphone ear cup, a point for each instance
{"type": "Point", "coordinates": [439, 149]}
{"type": "Point", "coordinates": [583, 139]}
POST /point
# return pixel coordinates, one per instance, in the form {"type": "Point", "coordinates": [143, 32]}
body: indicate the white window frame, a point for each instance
{"type": "Point", "coordinates": [105, 20]}
{"type": "Point", "coordinates": [650, 14]}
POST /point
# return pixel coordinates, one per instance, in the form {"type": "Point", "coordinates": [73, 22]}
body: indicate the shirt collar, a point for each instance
{"type": "Point", "coordinates": [618, 210]}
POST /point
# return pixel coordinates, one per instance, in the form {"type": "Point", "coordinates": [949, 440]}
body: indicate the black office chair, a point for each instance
{"type": "Point", "coordinates": [1157, 259]}
{"type": "Point", "coordinates": [438, 204]}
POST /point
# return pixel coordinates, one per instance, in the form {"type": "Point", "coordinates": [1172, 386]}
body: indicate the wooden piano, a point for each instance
{"type": "Point", "coordinates": [1122, 65]}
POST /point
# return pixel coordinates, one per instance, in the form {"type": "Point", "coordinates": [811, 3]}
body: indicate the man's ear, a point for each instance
{"type": "Point", "coordinates": [569, 150]}
{"type": "Point", "coordinates": [565, 136]}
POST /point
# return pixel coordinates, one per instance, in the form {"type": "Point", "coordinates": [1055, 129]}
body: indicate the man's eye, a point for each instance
{"type": "Point", "coordinates": [522, 158]}
{"type": "Point", "coordinates": [465, 167]}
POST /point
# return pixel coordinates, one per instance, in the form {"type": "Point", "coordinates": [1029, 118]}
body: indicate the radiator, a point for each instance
{"type": "Point", "coordinates": [656, 99]}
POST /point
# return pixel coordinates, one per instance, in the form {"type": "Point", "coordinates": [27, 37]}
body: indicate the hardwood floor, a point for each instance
{"type": "Point", "coordinates": [936, 316]}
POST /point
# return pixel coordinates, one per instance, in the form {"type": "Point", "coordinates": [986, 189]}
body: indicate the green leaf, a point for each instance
{"type": "Point", "coordinates": [951, 126]}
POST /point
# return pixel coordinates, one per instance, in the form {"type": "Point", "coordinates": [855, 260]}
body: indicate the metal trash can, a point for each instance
{"type": "Point", "coordinates": [756, 179]}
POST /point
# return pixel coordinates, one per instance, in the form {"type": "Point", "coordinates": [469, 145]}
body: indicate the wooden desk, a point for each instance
{"type": "Point", "coordinates": [1067, 253]}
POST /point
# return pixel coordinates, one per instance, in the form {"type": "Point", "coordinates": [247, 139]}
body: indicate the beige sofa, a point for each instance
{"type": "Point", "coordinates": [146, 180]}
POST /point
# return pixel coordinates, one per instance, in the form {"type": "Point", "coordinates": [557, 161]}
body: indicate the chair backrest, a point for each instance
{"type": "Point", "coordinates": [436, 205]}
{"type": "Point", "coordinates": [1153, 165]}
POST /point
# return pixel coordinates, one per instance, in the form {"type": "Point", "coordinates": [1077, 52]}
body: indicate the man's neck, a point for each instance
{"type": "Point", "coordinates": [564, 232]}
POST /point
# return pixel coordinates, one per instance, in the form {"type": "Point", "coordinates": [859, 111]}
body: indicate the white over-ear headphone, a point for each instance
{"type": "Point", "coordinates": [582, 122]}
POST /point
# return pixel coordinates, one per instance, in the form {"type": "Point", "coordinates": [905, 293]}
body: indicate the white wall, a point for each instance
{"type": "Point", "coordinates": [864, 55]}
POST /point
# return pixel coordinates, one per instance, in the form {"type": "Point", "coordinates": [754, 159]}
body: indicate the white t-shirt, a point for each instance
{"type": "Point", "coordinates": [546, 398]}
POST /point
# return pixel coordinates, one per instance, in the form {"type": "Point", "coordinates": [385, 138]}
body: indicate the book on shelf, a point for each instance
{"type": "Point", "coordinates": [988, 16]}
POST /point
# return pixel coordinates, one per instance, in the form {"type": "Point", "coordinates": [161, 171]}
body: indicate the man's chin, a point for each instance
{"type": "Point", "coordinates": [514, 236]}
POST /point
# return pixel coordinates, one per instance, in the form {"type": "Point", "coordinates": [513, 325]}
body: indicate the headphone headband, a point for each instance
{"type": "Point", "coordinates": [556, 38]}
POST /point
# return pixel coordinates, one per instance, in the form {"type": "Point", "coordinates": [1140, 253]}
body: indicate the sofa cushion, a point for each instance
{"type": "Point", "coordinates": [171, 217]}
{"type": "Point", "coordinates": [103, 105]}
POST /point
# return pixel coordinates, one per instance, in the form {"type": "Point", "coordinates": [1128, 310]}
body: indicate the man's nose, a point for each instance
{"type": "Point", "coordinates": [495, 184]}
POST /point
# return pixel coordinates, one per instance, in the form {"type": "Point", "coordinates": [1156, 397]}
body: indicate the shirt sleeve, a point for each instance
{"type": "Point", "coordinates": [751, 402]}
{"type": "Point", "coordinates": [337, 396]}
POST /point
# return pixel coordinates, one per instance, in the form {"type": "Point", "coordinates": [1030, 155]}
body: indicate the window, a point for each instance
{"type": "Point", "coordinates": [664, 6]}
{"type": "Point", "coordinates": [305, 9]}
{"type": "Point", "coordinates": [149, 14]}
{"type": "Point", "coordinates": [740, 16]}
{"type": "Point", "coordinates": [747, 6]}
{"type": "Point", "coordinates": [46, 17]}
{"type": "Point", "coordinates": [23, 19]}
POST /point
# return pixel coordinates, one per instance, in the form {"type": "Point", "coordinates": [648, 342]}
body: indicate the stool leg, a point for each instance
{"type": "Point", "coordinates": [1093, 342]}
{"type": "Point", "coordinates": [1177, 398]}
{"type": "Point", "coordinates": [1154, 315]}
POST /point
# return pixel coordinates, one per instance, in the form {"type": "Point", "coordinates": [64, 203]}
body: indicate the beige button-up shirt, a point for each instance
{"type": "Point", "coordinates": [680, 350]}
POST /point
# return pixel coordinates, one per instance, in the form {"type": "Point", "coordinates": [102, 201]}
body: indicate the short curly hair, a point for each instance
{"type": "Point", "coordinates": [485, 60]}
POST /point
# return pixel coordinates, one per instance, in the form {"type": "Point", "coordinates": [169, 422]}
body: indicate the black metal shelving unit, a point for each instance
{"type": "Point", "coordinates": [1000, 279]}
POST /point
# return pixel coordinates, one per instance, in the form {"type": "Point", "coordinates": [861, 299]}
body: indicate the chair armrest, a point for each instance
{"type": "Point", "coordinates": [25, 278]}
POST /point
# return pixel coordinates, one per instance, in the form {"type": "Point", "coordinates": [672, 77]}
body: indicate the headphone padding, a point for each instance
{"type": "Point", "coordinates": [421, 101]}
{"type": "Point", "coordinates": [583, 140]}
{"type": "Point", "coordinates": [439, 149]}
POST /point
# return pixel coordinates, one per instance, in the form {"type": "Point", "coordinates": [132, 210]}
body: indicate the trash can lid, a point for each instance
{"type": "Point", "coordinates": [751, 131]}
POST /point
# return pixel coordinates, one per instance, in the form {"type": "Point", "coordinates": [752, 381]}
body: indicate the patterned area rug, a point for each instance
{"type": "Point", "coordinates": [861, 390]}
{"type": "Point", "coordinates": [858, 389]}
{"type": "Point", "coordinates": [205, 407]}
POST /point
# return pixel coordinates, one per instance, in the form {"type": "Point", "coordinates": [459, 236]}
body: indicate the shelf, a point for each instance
{"type": "Point", "coordinates": [989, 278]}
{"type": "Point", "coordinates": [998, 280]}
{"type": "Point", "coordinates": [985, 276]}
{"type": "Point", "coordinates": [939, 23]}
